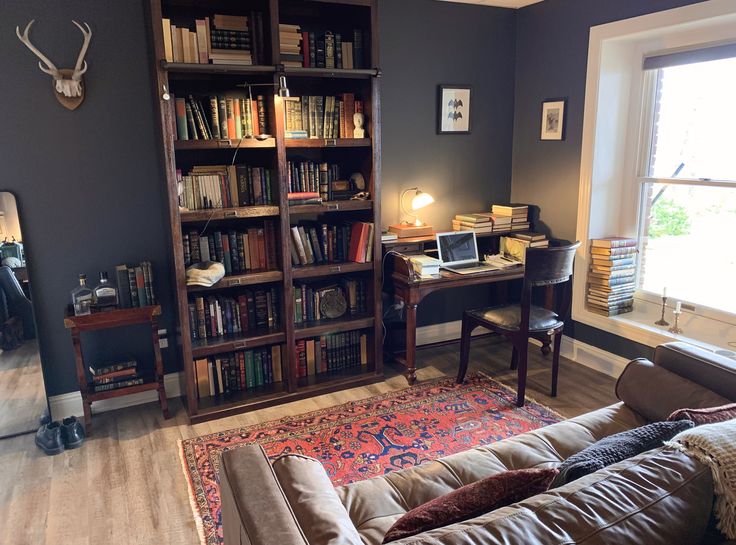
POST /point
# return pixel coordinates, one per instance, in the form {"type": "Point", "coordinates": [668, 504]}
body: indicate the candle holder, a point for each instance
{"type": "Point", "coordinates": [662, 321]}
{"type": "Point", "coordinates": [676, 329]}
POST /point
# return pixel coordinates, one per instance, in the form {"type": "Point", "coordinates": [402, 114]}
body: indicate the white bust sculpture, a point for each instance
{"type": "Point", "coordinates": [358, 120]}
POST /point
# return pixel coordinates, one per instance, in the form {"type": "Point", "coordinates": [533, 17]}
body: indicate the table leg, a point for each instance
{"type": "Point", "coordinates": [87, 408]}
{"type": "Point", "coordinates": [159, 369]}
{"type": "Point", "coordinates": [411, 343]}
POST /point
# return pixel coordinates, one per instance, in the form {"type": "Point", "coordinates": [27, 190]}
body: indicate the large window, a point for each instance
{"type": "Point", "coordinates": [688, 180]}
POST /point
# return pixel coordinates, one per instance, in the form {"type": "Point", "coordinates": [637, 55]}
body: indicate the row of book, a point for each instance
{"type": "Point", "coordinates": [314, 244]}
{"type": "Point", "coordinates": [215, 316]}
{"type": "Point", "coordinates": [309, 298]}
{"type": "Point", "coordinates": [221, 39]}
{"type": "Point", "coordinates": [612, 275]}
{"type": "Point", "coordinates": [321, 116]}
{"type": "Point", "coordinates": [300, 47]}
{"type": "Point", "coordinates": [237, 371]}
{"type": "Point", "coordinates": [135, 285]}
{"type": "Point", "coordinates": [240, 252]}
{"type": "Point", "coordinates": [333, 352]}
{"type": "Point", "coordinates": [113, 375]}
{"type": "Point", "coordinates": [322, 178]}
{"type": "Point", "coordinates": [220, 117]}
{"type": "Point", "coordinates": [220, 186]}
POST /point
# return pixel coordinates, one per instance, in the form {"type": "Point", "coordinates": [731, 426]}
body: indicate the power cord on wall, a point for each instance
{"type": "Point", "coordinates": [383, 276]}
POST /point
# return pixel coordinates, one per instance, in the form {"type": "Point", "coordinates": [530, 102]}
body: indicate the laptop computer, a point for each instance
{"type": "Point", "coordinates": [458, 252]}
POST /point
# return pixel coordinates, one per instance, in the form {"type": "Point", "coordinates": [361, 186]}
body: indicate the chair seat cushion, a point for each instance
{"type": "Point", "coordinates": [509, 316]}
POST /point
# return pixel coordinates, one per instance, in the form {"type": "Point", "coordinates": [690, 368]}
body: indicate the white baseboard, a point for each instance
{"type": "Point", "coordinates": [65, 405]}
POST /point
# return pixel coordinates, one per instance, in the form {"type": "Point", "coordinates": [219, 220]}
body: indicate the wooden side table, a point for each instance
{"type": "Point", "coordinates": [109, 320]}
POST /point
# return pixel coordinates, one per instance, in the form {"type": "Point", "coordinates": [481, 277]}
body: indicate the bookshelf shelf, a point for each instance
{"type": "Point", "coordinates": [197, 84]}
{"type": "Point", "coordinates": [217, 214]}
{"type": "Point", "coordinates": [229, 343]}
{"type": "Point", "coordinates": [193, 145]}
{"type": "Point", "coordinates": [316, 271]}
{"type": "Point", "coordinates": [107, 394]}
{"type": "Point", "coordinates": [330, 206]}
{"type": "Point", "coordinates": [321, 327]}
{"type": "Point", "coordinates": [249, 279]}
{"type": "Point", "coordinates": [328, 143]}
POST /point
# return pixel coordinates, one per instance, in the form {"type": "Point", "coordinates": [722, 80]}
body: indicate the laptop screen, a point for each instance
{"type": "Point", "coordinates": [457, 246]}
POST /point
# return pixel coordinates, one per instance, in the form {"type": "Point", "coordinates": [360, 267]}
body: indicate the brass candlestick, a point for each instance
{"type": "Point", "coordinates": [662, 321]}
{"type": "Point", "coordinates": [676, 329]}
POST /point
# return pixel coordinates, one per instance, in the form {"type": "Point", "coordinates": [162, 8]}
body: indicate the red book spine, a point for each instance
{"type": "Point", "coordinates": [355, 232]}
{"type": "Point", "coordinates": [243, 311]}
{"type": "Point", "coordinates": [305, 49]}
{"type": "Point", "coordinates": [261, 249]}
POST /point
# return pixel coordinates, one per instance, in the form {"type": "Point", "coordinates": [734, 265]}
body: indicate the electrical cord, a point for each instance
{"type": "Point", "coordinates": [383, 276]}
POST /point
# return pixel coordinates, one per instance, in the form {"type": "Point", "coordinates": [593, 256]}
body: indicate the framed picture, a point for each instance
{"type": "Point", "coordinates": [553, 119]}
{"type": "Point", "coordinates": [454, 110]}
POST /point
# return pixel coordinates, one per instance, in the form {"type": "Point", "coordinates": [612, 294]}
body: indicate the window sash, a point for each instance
{"type": "Point", "coordinates": [689, 56]}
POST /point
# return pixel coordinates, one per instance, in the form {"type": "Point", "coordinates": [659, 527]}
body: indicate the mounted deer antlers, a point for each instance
{"type": "Point", "coordinates": [67, 82]}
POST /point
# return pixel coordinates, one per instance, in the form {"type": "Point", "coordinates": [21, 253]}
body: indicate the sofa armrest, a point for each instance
{"type": "Point", "coordinates": [717, 373]}
{"type": "Point", "coordinates": [255, 510]}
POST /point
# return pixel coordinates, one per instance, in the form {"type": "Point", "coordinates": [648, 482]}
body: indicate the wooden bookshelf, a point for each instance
{"type": "Point", "coordinates": [358, 154]}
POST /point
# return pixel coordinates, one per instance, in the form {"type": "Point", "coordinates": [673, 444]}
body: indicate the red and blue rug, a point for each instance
{"type": "Point", "coordinates": [370, 437]}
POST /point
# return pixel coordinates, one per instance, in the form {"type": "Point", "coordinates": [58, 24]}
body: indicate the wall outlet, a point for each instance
{"type": "Point", "coordinates": [162, 333]}
{"type": "Point", "coordinates": [163, 342]}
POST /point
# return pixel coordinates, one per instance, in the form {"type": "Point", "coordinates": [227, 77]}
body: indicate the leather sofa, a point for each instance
{"type": "Point", "coordinates": [659, 497]}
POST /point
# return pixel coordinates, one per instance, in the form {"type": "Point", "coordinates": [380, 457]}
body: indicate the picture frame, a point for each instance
{"type": "Point", "coordinates": [554, 119]}
{"type": "Point", "coordinates": [453, 116]}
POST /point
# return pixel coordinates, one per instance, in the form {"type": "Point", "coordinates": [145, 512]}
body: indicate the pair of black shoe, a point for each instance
{"type": "Point", "coordinates": [53, 438]}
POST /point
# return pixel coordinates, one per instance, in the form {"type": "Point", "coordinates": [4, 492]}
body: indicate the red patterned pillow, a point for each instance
{"type": "Point", "coordinates": [472, 500]}
{"type": "Point", "coordinates": [711, 415]}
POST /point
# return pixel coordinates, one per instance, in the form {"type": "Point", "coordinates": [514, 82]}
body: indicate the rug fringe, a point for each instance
{"type": "Point", "coordinates": [198, 522]}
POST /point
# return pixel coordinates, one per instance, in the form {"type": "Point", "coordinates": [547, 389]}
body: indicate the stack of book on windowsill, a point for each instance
{"type": "Point", "coordinates": [113, 375]}
{"type": "Point", "coordinates": [517, 216]}
{"type": "Point", "coordinates": [612, 275]}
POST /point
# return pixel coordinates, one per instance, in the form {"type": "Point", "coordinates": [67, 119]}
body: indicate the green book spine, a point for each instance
{"type": "Point", "coordinates": [249, 369]}
{"type": "Point", "coordinates": [258, 365]}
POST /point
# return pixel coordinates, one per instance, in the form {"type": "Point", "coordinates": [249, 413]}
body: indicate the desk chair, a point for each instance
{"type": "Point", "coordinates": [519, 322]}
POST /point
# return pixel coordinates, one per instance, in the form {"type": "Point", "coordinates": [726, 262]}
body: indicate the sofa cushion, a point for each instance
{"type": "Point", "coordinates": [472, 500]}
{"type": "Point", "coordinates": [622, 505]}
{"type": "Point", "coordinates": [617, 447]}
{"type": "Point", "coordinates": [672, 391]}
{"type": "Point", "coordinates": [711, 415]}
{"type": "Point", "coordinates": [713, 371]}
{"type": "Point", "coordinates": [315, 504]}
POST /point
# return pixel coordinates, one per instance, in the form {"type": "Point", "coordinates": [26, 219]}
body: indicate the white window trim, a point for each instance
{"type": "Point", "coordinates": [608, 201]}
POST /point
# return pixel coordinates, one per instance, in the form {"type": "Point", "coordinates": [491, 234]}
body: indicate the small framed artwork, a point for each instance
{"type": "Point", "coordinates": [454, 109]}
{"type": "Point", "coordinates": [553, 119]}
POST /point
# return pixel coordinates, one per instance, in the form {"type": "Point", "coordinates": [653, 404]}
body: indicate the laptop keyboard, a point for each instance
{"type": "Point", "coordinates": [467, 266]}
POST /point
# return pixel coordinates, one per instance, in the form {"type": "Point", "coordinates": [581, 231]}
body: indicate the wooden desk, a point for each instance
{"type": "Point", "coordinates": [401, 281]}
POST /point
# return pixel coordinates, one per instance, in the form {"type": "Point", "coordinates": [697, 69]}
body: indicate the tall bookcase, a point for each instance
{"type": "Point", "coordinates": [362, 155]}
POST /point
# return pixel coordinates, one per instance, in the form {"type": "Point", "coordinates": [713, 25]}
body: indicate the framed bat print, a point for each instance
{"type": "Point", "coordinates": [553, 119]}
{"type": "Point", "coordinates": [454, 110]}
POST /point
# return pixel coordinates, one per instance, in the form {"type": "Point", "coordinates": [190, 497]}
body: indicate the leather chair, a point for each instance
{"type": "Point", "coordinates": [16, 301]}
{"type": "Point", "coordinates": [520, 322]}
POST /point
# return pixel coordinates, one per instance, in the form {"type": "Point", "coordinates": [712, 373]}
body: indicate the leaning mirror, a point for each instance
{"type": "Point", "coordinates": [22, 394]}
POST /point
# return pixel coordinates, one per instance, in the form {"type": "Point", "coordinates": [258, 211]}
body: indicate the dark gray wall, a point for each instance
{"type": "Point", "coordinates": [551, 61]}
{"type": "Point", "coordinates": [87, 181]}
{"type": "Point", "coordinates": [425, 43]}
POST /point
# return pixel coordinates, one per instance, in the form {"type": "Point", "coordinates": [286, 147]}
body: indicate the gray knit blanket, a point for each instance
{"type": "Point", "coordinates": [715, 446]}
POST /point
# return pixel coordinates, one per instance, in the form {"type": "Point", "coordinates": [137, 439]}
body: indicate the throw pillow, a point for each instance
{"type": "Point", "coordinates": [472, 500]}
{"type": "Point", "coordinates": [618, 447]}
{"type": "Point", "coordinates": [711, 415]}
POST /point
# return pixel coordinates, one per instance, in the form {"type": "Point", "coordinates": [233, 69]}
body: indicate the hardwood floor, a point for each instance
{"type": "Point", "coordinates": [22, 394]}
{"type": "Point", "coordinates": [125, 485]}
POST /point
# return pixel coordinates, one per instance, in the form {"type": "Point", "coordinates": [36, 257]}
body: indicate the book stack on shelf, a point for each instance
{"type": "Point", "coordinates": [334, 50]}
{"type": "Point", "coordinates": [331, 243]}
{"type": "Point", "coordinates": [220, 117]}
{"type": "Point", "coordinates": [612, 275]}
{"type": "Point", "coordinates": [518, 216]}
{"type": "Point", "coordinates": [136, 287]}
{"type": "Point", "coordinates": [330, 353]}
{"type": "Point", "coordinates": [219, 186]}
{"type": "Point", "coordinates": [290, 45]}
{"type": "Point", "coordinates": [220, 39]}
{"type": "Point", "coordinates": [114, 375]}
{"type": "Point", "coordinates": [303, 197]}
{"type": "Point", "coordinates": [240, 251]}
{"type": "Point", "coordinates": [315, 301]}
{"type": "Point", "coordinates": [233, 372]}
{"type": "Point", "coordinates": [321, 116]}
{"type": "Point", "coordinates": [251, 311]}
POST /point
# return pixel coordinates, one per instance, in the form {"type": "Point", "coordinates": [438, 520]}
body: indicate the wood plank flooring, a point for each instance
{"type": "Point", "coordinates": [22, 394]}
{"type": "Point", "coordinates": [125, 485]}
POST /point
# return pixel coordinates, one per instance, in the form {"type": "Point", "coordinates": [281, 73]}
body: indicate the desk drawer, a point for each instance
{"type": "Point", "coordinates": [409, 248]}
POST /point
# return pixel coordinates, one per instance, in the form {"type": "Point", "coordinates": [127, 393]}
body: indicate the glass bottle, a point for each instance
{"type": "Point", "coordinates": [82, 297]}
{"type": "Point", "coordinates": [105, 295]}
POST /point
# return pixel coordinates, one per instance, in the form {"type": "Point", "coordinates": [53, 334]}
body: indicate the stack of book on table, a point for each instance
{"type": "Point", "coordinates": [612, 275]}
{"type": "Point", "coordinates": [516, 216]}
{"type": "Point", "coordinates": [479, 222]}
{"type": "Point", "coordinates": [113, 375]}
{"type": "Point", "coordinates": [514, 246]}
{"type": "Point", "coordinates": [425, 266]}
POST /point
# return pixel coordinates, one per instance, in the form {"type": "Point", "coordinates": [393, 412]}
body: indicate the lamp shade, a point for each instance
{"type": "Point", "coordinates": [420, 200]}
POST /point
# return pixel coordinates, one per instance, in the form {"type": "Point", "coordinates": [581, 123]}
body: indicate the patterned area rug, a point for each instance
{"type": "Point", "coordinates": [366, 438]}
